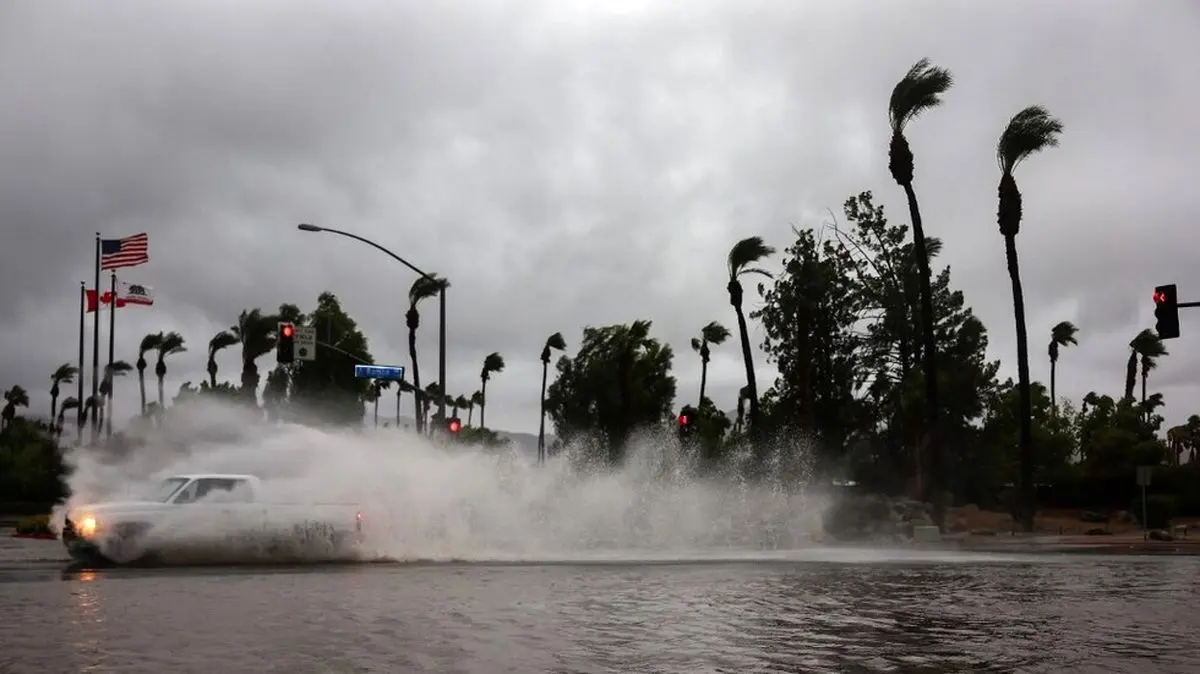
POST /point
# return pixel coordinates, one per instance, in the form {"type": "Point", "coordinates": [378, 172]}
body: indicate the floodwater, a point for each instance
{"type": "Point", "coordinates": [820, 610]}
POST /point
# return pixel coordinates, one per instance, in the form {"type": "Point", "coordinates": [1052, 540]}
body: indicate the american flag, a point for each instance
{"type": "Point", "coordinates": [128, 252]}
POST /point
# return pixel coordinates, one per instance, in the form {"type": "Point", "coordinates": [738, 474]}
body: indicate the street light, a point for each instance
{"type": "Point", "coordinates": [304, 227]}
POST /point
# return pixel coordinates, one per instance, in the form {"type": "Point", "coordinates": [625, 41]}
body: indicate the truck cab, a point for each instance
{"type": "Point", "coordinates": [199, 506]}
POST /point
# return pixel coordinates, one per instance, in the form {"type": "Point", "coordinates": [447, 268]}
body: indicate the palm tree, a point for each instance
{"type": "Point", "coordinates": [91, 406]}
{"type": "Point", "coordinates": [492, 364]}
{"type": "Point", "coordinates": [475, 400]}
{"type": "Point", "coordinates": [255, 331]}
{"type": "Point", "coordinates": [149, 343]}
{"type": "Point", "coordinates": [1030, 130]}
{"type": "Point", "coordinates": [713, 333]}
{"type": "Point", "coordinates": [1147, 347]}
{"type": "Point", "coordinates": [460, 403]}
{"type": "Point", "coordinates": [171, 344]}
{"type": "Point", "coordinates": [422, 289]}
{"type": "Point", "coordinates": [554, 342]}
{"type": "Point", "coordinates": [430, 395]}
{"type": "Point", "coordinates": [13, 398]}
{"type": "Point", "coordinates": [69, 403]}
{"type": "Point", "coordinates": [377, 388]}
{"type": "Point", "coordinates": [222, 340]}
{"type": "Point", "coordinates": [63, 374]}
{"type": "Point", "coordinates": [1061, 335]}
{"type": "Point", "coordinates": [117, 368]}
{"type": "Point", "coordinates": [919, 90]}
{"type": "Point", "coordinates": [743, 254]}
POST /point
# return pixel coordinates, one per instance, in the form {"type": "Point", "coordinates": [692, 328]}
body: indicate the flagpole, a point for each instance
{"type": "Point", "coordinates": [96, 343]}
{"type": "Point", "coordinates": [79, 414]}
{"type": "Point", "coordinates": [112, 324]}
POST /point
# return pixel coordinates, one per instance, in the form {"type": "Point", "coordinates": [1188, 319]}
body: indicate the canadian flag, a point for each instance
{"type": "Point", "coordinates": [127, 294]}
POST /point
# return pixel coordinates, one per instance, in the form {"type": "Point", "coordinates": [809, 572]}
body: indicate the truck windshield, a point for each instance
{"type": "Point", "coordinates": [168, 488]}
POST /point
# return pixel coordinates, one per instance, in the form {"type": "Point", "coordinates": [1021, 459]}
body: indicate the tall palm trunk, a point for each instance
{"type": "Point", "coordinates": [1025, 402]}
{"type": "Point", "coordinates": [1053, 373]}
{"type": "Point", "coordinates": [703, 374]}
{"type": "Point", "coordinates": [141, 370]}
{"type": "Point", "coordinates": [935, 482]}
{"type": "Point", "coordinates": [482, 403]}
{"type": "Point", "coordinates": [735, 298]}
{"type": "Point", "coordinates": [376, 410]}
{"type": "Point", "coordinates": [418, 417]}
{"type": "Point", "coordinates": [470, 414]}
{"type": "Point", "coordinates": [542, 418]}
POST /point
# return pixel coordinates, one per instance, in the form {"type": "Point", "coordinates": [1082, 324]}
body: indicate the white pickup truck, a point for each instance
{"type": "Point", "coordinates": [224, 513]}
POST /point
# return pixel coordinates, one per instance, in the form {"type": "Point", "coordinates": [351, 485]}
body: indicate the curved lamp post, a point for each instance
{"type": "Point", "coordinates": [441, 302]}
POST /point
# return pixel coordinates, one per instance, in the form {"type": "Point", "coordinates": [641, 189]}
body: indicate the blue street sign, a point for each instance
{"type": "Point", "coordinates": [395, 372]}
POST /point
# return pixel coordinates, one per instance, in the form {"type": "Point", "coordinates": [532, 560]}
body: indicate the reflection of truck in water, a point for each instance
{"type": "Point", "coordinates": [209, 508]}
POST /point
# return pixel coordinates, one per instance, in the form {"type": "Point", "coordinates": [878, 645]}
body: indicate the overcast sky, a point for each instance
{"type": "Point", "coordinates": [568, 163]}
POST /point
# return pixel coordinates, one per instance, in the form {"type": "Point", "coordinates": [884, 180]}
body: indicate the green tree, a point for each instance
{"type": "Point", "coordinates": [712, 334]}
{"type": "Point", "coordinates": [618, 381]}
{"type": "Point", "coordinates": [892, 420]}
{"type": "Point", "coordinates": [742, 256]}
{"type": "Point", "coordinates": [219, 342]}
{"type": "Point", "coordinates": [422, 289]}
{"type": "Point", "coordinates": [63, 374]}
{"type": "Point", "coordinates": [1115, 437]}
{"type": "Point", "coordinates": [554, 342]}
{"type": "Point", "coordinates": [808, 315]}
{"type": "Point", "coordinates": [149, 343]}
{"type": "Point", "coordinates": [171, 344]}
{"type": "Point", "coordinates": [1053, 438]}
{"type": "Point", "coordinates": [1061, 335]}
{"type": "Point", "coordinates": [1030, 130]}
{"type": "Point", "coordinates": [326, 388]}
{"type": "Point", "coordinates": [13, 398]}
{"type": "Point", "coordinates": [31, 465]}
{"type": "Point", "coordinates": [920, 89]}
{"type": "Point", "coordinates": [493, 363]}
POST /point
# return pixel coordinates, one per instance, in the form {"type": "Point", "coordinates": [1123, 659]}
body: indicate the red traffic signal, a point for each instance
{"type": "Point", "coordinates": [288, 330]}
{"type": "Point", "coordinates": [454, 425]}
{"type": "Point", "coordinates": [1166, 311]}
{"type": "Point", "coordinates": [683, 420]}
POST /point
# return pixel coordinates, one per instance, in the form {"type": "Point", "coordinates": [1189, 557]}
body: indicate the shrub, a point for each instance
{"type": "Point", "coordinates": [34, 524]}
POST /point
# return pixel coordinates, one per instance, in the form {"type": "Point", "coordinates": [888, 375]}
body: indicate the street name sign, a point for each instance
{"type": "Point", "coordinates": [393, 372]}
{"type": "Point", "coordinates": [306, 342]}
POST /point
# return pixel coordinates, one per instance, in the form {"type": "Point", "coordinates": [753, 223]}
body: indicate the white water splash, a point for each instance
{"type": "Point", "coordinates": [421, 501]}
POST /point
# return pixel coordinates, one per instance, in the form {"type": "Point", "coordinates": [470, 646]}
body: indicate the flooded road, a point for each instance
{"type": "Point", "coordinates": [811, 611]}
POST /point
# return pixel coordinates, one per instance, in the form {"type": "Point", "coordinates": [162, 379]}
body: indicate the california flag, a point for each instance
{"type": "Point", "coordinates": [134, 293]}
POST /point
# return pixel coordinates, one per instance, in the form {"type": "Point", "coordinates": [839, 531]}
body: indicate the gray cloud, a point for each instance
{"type": "Point", "coordinates": [566, 166]}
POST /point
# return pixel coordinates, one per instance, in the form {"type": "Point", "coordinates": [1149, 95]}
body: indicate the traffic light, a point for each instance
{"type": "Point", "coordinates": [1166, 312]}
{"type": "Point", "coordinates": [687, 422]}
{"type": "Point", "coordinates": [454, 425]}
{"type": "Point", "coordinates": [285, 346]}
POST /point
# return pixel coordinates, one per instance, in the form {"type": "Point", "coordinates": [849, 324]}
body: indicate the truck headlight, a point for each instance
{"type": "Point", "coordinates": [87, 525]}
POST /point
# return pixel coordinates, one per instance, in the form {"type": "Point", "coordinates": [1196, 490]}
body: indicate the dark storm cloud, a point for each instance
{"type": "Point", "coordinates": [566, 165]}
